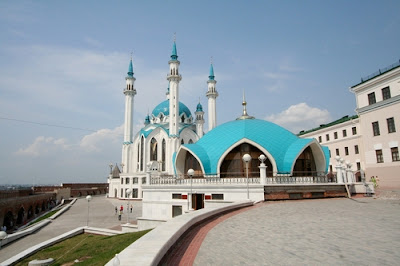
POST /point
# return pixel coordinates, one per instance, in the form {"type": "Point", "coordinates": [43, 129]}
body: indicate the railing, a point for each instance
{"type": "Point", "coordinates": [298, 178]}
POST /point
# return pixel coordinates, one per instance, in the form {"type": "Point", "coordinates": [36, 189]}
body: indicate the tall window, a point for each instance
{"type": "Point", "coordinates": [379, 156]}
{"type": "Point", "coordinates": [386, 93]}
{"type": "Point", "coordinates": [346, 150]}
{"type": "Point", "coordinates": [153, 149]}
{"type": "Point", "coordinates": [395, 154]}
{"type": "Point", "coordinates": [356, 151]}
{"type": "Point", "coordinates": [371, 98]}
{"type": "Point", "coordinates": [354, 130]}
{"type": "Point", "coordinates": [327, 137]}
{"type": "Point", "coordinates": [335, 135]}
{"type": "Point", "coordinates": [358, 166]}
{"type": "Point", "coordinates": [127, 180]}
{"type": "Point", "coordinates": [390, 124]}
{"type": "Point", "coordinates": [344, 133]}
{"type": "Point", "coordinates": [375, 128]}
{"type": "Point", "coordinates": [319, 139]}
{"type": "Point", "coordinates": [163, 155]}
{"type": "Point", "coordinates": [337, 152]}
{"type": "Point", "coordinates": [141, 153]}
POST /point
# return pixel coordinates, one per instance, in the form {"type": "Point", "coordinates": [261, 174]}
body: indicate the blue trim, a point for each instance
{"type": "Point", "coordinates": [173, 162]}
{"type": "Point", "coordinates": [174, 55]}
{"type": "Point", "coordinates": [130, 70]}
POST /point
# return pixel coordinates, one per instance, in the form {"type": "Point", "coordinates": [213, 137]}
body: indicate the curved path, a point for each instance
{"type": "Point", "coordinates": [101, 215]}
{"type": "Point", "coordinates": [308, 232]}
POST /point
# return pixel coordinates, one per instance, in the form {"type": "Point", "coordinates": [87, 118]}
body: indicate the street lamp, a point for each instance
{"type": "Point", "coordinates": [88, 198]}
{"type": "Point", "coordinates": [3, 235]}
{"type": "Point", "coordinates": [190, 173]}
{"type": "Point", "coordinates": [128, 194]}
{"type": "Point", "coordinates": [246, 159]}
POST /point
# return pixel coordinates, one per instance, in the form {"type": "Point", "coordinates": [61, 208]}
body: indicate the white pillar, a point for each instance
{"type": "Point", "coordinates": [338, 167]}
{"type": "Point", "coordinates": [148, 171]}
{"type": "Point", "coordinates": [263, 170]}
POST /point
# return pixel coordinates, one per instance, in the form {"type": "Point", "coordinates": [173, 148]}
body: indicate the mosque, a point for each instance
{"type": "Point", "coordinates": [174, 166]}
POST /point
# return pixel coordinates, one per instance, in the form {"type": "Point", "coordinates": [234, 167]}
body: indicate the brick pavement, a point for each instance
{"type": "Point", "coordinates": [327, 231]}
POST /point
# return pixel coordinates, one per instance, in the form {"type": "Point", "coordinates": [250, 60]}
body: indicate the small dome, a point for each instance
{"type": "Point", "coordinates": [164, 108]}
{"type": "Point", "coordinates": [199, 108]}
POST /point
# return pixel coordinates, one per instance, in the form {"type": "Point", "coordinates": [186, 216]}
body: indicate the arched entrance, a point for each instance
{"type": "Point", "coordinates": [192, 163]}
{"type": "Point", "coordinates": [305, 164]}
{"type": "Point", "coordinates": [233, 165]}
{"type": "Point", "coordinates": [8, 220]}
{"type": "Point", "coordinates": [21, 214]}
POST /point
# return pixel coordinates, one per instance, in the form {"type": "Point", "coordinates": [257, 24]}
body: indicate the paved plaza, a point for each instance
{"type": "Point", "coordinates": [342, 231]}
{"type": "Point", "coordinates": [363, 231]}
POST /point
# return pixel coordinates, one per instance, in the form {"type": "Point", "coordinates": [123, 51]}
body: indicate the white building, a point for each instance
{"type": "Point", "coordinates": [369, 141]}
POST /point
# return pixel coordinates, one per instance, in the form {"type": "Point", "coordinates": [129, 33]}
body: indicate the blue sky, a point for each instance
{"type": "Point", "coordinates": [63, 63]}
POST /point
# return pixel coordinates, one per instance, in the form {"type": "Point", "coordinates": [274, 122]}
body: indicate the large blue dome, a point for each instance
{"type": "Point", "coordinates": [283, 145]}
{"type": "Point", "coordinates": [164, 108]}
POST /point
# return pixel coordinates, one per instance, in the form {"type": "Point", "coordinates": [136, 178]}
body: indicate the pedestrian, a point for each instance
{"type": "Point", "coordinates": [116, 210]}
{"type": "Point", "coordinates": [121, 209]}
{"type": "Point", "coordinates": [131, 208]}
{"type": "Point", "coordinates": [119, 215]}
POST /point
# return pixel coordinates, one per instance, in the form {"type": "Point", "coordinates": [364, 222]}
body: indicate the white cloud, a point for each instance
{"type": "Point", "coordinates": [44, 146]}
{"type": "Point", "coordinates": [99, 140]}
{"type": "Point", "coordinates": [300, 116]}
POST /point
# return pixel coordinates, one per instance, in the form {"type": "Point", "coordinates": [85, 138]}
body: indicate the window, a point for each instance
{"type": "Point", "coordinates": [143, 180]}
{"type": "Point", "coordinates": [217, 196]}
{"type": "Point", "coordinates": [379, 156]}
{"type": "Point", "coordinates": [122, 193]}
{"type": "Point", "coordinates": [337, 152]}
{"type": "Point", "coordinates": [176, 211]}
{"type": "Point", "coordinates": [346, 150]}
{"type": "Point", "coordinates": [327, 137]}
{"type": "Point", "coordinates": [371, 98]}
{"type": "Point", "coordinates": [163, 155]}
{"type": "Point", "coordinates": [395, 154]}
{"type": "Point", "coordinates": [319, 139]}
{"type": "Point", "coordinates": [356, 151]}
{"type": "Point", "coordinates": [344, 133]}
{"type": "Point", "coordinates": [354, 130]}
{"type": "Point", "coordinates": [335, 135]}
{"type": "Point", "coordinates": [176, 196]}
{"type": "Point", "coordinates": [358, 166]}
{"type": "Point", "coordinates": [375, 128]}
{"type": "Point", "coordinates": [390, 124]}
{"type": "Point", "coordinates": [122, 181]}
{"type": "Point", "coordinates": [153, 149]}
{"type": "Point", "coordinates": [135, 180]}
{"type": "Point", "coordinates": [127, 180]}
{"type": "Point", "coordinates": [134, 193]}
{"type": "Point", "coordinates": [386, 93]}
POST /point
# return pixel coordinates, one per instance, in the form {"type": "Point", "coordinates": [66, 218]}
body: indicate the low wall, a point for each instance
{"type": "Point", "coordinates": [151, 248]}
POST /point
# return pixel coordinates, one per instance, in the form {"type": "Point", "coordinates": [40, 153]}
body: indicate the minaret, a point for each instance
{"type": "Point", "coordinates": [130, 93]}
{"type": "Point", "coordinates": [212, 95]}
{"type": "Point", "coordinates": [173, 77]}
{"type": "Point", "coordinates": [199, 120]}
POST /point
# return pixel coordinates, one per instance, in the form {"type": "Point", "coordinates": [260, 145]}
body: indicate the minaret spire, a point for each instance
{"type": "Point", "coordinates": [244, 115]}
{"type": "Point", "coordinates": [212, 95]}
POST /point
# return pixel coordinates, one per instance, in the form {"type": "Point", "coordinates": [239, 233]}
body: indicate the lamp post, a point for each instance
{"type": "Point", "coordinates": [128, 194]}
{"type": "Point", "coordinates": [88, 198]}
{"type": "Point", "coordinates": [246, 159]}
{"type": "Point", "coordinates": [3, 235]}
{"type": "Point", "coordinates": [190, 173]}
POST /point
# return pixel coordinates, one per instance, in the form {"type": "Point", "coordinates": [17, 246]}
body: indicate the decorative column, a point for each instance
{"type": "Point", "coordinates": [338, 167]}
{"type": "Point", "coordinates": [148, 172]}
{"type": "Point", "coordinates": [263, 169]}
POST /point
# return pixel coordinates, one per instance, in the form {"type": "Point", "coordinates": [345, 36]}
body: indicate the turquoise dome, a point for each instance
{"type": "Point", "coordinates": [282, 144]}
{"type": "Point", "coordinates": [164, 108]}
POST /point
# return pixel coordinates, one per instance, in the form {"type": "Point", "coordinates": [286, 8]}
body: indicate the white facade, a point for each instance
{"type": "Point", "coordinates": [374, 130]}
{"type": "Point", "coordinates": [149, 150]}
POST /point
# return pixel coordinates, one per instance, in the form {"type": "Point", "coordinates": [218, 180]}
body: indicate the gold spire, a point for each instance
{"type": "Point", "coordinates": [244, 115]}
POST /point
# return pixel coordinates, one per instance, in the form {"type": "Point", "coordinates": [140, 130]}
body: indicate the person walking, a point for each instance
{"type": "Point", "coordinates": [119, 215]}
{"type": "Point", "coordinates": [131, 208]}
{"type": "Point", "coordinates": [116, 210]}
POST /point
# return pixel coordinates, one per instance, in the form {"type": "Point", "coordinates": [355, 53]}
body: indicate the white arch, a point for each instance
{"type": "Point", "coordinates": [180, 160]}
{"type": "Point", "coordinates": [318, 155]}
{"type": "Point", "coordinates": [246, 140]}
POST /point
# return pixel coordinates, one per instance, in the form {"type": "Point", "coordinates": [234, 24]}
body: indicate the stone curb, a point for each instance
{"type": "Point", "coordinates": [151, 248]}
{"type": "Point", "coordinates": [77, 231]}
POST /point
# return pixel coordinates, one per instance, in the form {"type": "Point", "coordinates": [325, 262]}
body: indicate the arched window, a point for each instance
{"type": "Point", "coordinates": [233, 165]}
{"type": "Point", "coordinates": [192, 163]}
{"type": "Point", "coordinates": [163, 155]}
{"type": "Point", "coordinates": [182, 119]}
{"type": "Point", "coordinates": [182, 142]}
{"type": "Point", "coordinates": [153, 149]}
{"type": "Point", "coordinates": [141, 153]}
{"type": "Point", "coordinates": [190, 141]}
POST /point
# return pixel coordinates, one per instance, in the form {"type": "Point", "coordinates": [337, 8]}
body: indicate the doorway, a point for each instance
{"type": "Point", "coordinates": [197, 201]}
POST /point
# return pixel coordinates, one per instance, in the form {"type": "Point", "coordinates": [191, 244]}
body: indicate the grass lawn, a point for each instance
{"type": "Point", "coordinates": [47, 215]}
{"type": "Point", "coordinates": [88, 249]}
